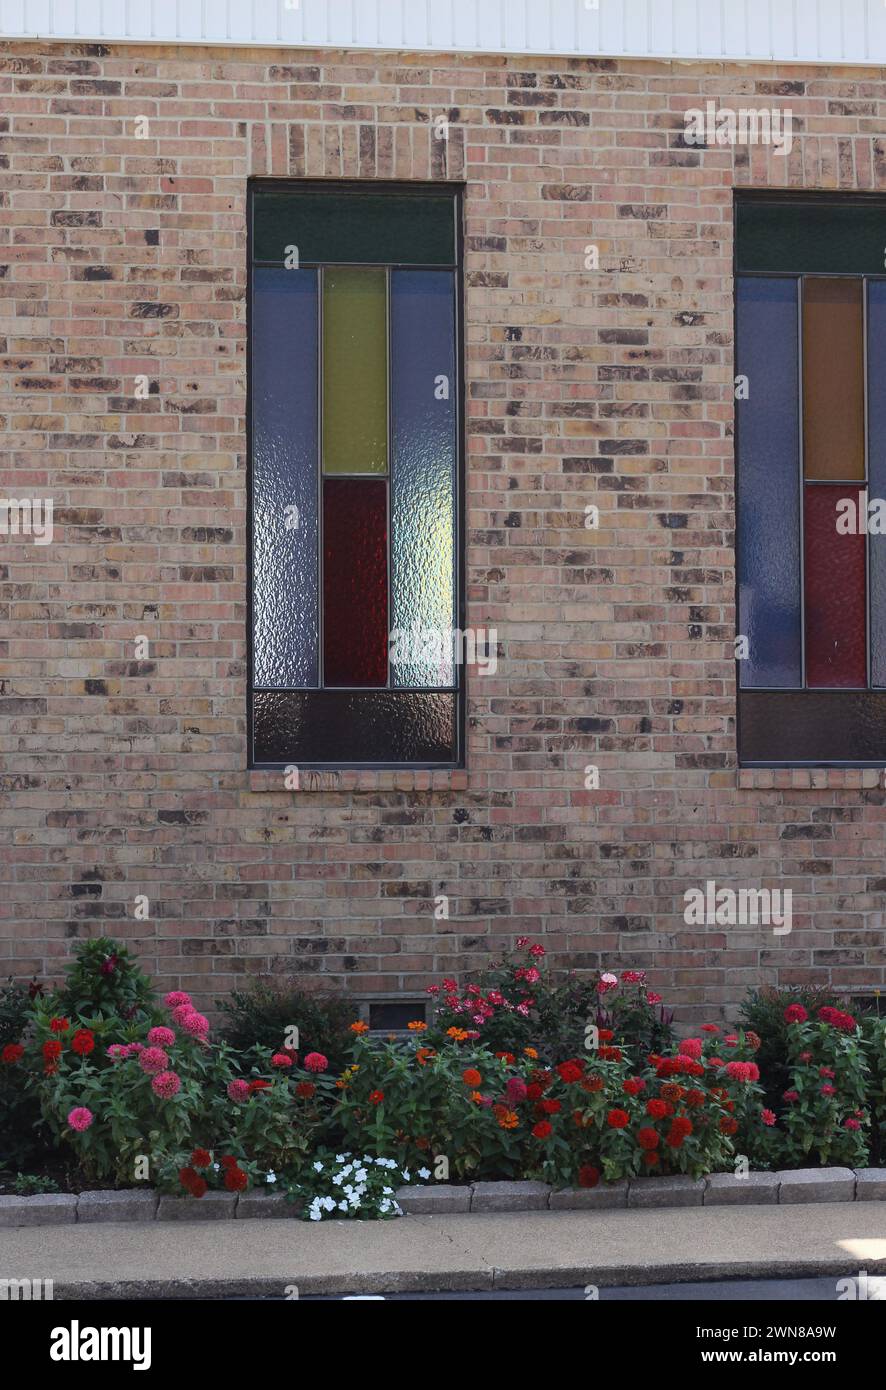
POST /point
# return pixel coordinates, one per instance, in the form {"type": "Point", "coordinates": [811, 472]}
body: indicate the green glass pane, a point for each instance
{"type": "Point", "coordinates": [356, 228]}
{"type": "Point", "coordinates": [355, 371]}
{"type": "Point", "coordinates": [813, 238]}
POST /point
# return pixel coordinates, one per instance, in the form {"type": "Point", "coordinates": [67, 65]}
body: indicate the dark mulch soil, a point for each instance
{"type": "Point", "coordinates": [67, 1176]}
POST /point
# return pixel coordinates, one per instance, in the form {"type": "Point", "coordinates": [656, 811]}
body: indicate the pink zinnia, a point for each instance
{"type": "Point", "coordinates": [315, 1061]}
{"type": "Point", "coordinates": [280, 1059]}
{"type": "Point", "coordinates": [828, 1090]}
{"type": "Point", "coordinates": [181, 1012]}
{"type": "Point", "coordinates": [768, 1117]}
{"type": "Point", "coordinates": [196, 1024]}
{"type": "Point", "coordinates": [167, 1084]}
{"type": "Point", "coordinates": [653, 998]}
{"type": "Point", "coordinates": [153, 1060]}
{"type": "Point", "coordinates": [80, 1118]}
{"type": "Point", "coordinates": [852, 1124]}
{"type": "Point", "coordinates": [633, 977]}
{"type": "Point", "coordinates": [238, 1090]}
{"type": "Point", "coordinates": [710, 1028]}
{"type": "Point", "coordinates": [176, 998]}
{"type": "Point", "coordinates": [537, 951]}
{"type": "Point", "coordinates": [515, 1090]}
{"type": "Point", "coordinates": [606, 983]}
{"type": "Point", "coordinates": [691, 1047]}
{"type": "Point", "coordinates": [118, 1052]}
{"type": "Point", "coordinates": [791, 1096]}
{"type": "Point", "coordinates": [161, 1037]}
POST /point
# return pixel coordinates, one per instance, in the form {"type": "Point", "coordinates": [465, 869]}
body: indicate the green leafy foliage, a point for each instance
{"type": "Point", "coordinates": [267, 1009]}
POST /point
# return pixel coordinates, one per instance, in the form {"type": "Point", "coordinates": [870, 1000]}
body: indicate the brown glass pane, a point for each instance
{"type": "Point", "coordinates": [833, 379]}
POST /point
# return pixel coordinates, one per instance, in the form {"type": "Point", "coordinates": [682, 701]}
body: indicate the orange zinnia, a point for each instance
{"type": "Point", "coordinates": [423, 1054]}
{"type": "Point", "coordinates": [530, 1052]}
{"type": "Point", "coordinates": [416, 1026]}
{"type": "Point", "coordinates": [508, 1120]}
{"type": "Point", "coordinates": [359, 1027]}
{"type": "Point", "coordinates": [460, 1034]}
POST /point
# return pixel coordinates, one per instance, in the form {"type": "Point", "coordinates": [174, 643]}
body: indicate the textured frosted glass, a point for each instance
{"type": "Point", "coordinates": [355, 371]}
{"type": "Point", "coordinates": [833, 379]}
{"type": "Point", "coordinates": [344, 727]}
{"type": "Point", "coordinates": [812, 726]}
{"type": "Point", "coordinates": [877, 472]}
{"type": "Point", "coordinates": [284, 477]}
{"type": "Point", "coordinates": [356, 225]}
{"type": "Point", "coordinates": [836, 642]}
{"type": "Point", "coordinates": [798, 236]}
{"type": "Point", "coordinates": [355, 582]}
{"type": "Point", "coordinates": [768, 483]}
{"type": "Point", "coordinates": [424, 406]}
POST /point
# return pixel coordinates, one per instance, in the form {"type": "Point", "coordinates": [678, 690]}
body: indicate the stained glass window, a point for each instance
{"type": "Point", "coordinates": [355, 408]}
{"type": "Point", "coordinates": [811, 480]}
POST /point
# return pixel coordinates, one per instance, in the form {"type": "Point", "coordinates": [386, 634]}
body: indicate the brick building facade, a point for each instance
{"type": "Point", "coordinates": [123, 254]}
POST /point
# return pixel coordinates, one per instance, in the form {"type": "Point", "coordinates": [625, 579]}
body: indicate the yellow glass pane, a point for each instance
{"type": "Point", "coordinates": [355, 371]}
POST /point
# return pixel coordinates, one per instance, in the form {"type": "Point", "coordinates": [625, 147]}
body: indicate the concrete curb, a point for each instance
{"type": "Point", "coordinates": [793, 1186]}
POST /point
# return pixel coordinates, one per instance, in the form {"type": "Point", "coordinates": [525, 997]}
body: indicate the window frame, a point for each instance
{"type": "Point", "coordinates": [801, 199]}
{"type": "Point", "coordinates": [356, 188]}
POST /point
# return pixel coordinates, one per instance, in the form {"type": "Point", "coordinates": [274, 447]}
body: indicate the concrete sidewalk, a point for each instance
{"type": "Point", "coordinates": [419, 1253]}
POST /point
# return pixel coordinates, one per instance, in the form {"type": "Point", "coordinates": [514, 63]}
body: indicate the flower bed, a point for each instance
{"type": "Point", "coordinates": [570, 1084]}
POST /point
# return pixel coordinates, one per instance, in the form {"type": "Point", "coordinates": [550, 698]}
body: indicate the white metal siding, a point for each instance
{"type": "Point", "coordinates": [826, 31]}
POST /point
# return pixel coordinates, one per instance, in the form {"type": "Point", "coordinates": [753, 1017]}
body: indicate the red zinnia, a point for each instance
{"type": "Point", "coordinates": [235, 1179]}
{"type": "Point", "coordinates": [51, 1048]}
{"type": "Point", "coordinates": [657, 1109]}
{"type": "Point", "coordinates": [201, 1158]}
{"type": "Point", "coordinates": [617, 1119]}
{"type": "Point", "coordinates": [83, 1042]}
{"type": "Point", "coordinates": [550, 1107]}
{"type": "Point", "coordinates": [12, 1052]}
{"type": "Point", "coordinates": [376, 1097]}
{"type": "Point", "coordinates": [570, 1071]}
{"type": "Point", "coordinates": [728, 1125]}
{"type": "Point", "coordinates": [588, 1176]}
{"type": "Point", "coordinates": [542, 1129]}
{"type": "Point", "coordinates": [59, 1025]}
{"type": "Point", "coordinates": [305, 1089]}
{"type": "Point", "coordinates": [633, 1086]}
{"type": "Point", "coordinates": [259, 1085]}
{"type": "Point", "coordinates": [647, 1139]}
{"type": "Point", "coordinates": [187, 1177]}
{"type": "Point", "coordinates": [795, 1013]}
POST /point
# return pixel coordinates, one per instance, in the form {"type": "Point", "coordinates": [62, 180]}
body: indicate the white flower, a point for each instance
{"type": "Point", "coordinates": [318, 1167]}
{"type": "Point", "coordinates": [314, 1214]}
{"type": "Point", "coordinates": [342, 1206]}
{"type": "Point", "coordinates": [385, 1206]}
{"type": "Point", "coordinates": [406, 1175]}
{"type": "Point", "coordinates": [216, 1167]}
{"type": "Point", "coordinates": [341, 1158]}
{"type": "Point", "coordinates": [361, 1176]}
{"type": "Point", "coordinates": [424, 1174]}
{"type": "Point", "coordinates": [271, 1177]}
{"type": "Point", "coordinates": [388, 1191]}
{"type": "Point", "coordinates": [328, 1203]}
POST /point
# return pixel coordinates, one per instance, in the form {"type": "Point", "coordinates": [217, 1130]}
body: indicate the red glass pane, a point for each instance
{"type": "Point", "coordinates": [836, 620]}
{"type": "Point", "coordinates": [355, 582]}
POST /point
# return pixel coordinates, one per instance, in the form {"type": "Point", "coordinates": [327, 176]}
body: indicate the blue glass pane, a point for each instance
{"type": "Point", "coordinates": [424, 403]}
{"type": "Point", "coordinates": [284, 477]}
{"type": "Point", "coordinates": [768, 483]}
{"type": "Point", "coordinates": [877, 473]}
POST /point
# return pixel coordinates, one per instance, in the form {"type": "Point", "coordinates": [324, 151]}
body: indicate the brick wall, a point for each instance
{"type": "Point", "coordinates": [612, 387]}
